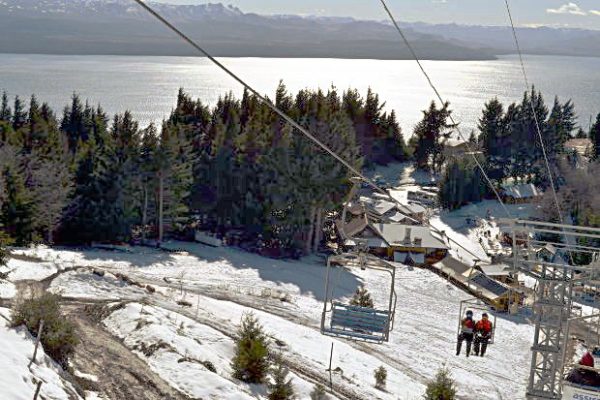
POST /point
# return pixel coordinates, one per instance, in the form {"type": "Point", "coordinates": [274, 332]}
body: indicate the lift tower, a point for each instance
{"type": "Point", "coordinates": [548, 253]}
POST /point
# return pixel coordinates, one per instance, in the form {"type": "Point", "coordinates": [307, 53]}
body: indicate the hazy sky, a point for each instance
{"type": "Point", "coordinates": [578, 13]}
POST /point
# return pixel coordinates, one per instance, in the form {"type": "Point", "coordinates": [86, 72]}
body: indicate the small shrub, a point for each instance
{"type": "Point", "coordinates": [251, 360]}
{"type": "Point", "coordinates": [209, 366]}
{"type": "Point", "coordinates": [441, 387]}
{"type": "Point", "coordinates": [362, 298]}
{"type": "Point", "coordinates": [181, 329]}
{"type": "Point", "coordinates": [149, 350]}
{"type": "Point", "coordinates": [380, 378]}
{"type": "Point", "coordinates": [281, 388]}
{"type": "Point", "coordinates": [318, 393]}
{"type": "Point", "coordinates": [58, 336]}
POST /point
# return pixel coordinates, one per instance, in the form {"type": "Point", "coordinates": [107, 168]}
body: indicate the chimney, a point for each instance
{"type": "Point", "coordinates": [418, 241]}
{"type": "Point", "coordinates": [407, 236]}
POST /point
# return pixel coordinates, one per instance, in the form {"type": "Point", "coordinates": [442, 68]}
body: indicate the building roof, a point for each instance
{"type": "Point", "coordinates": [489, 284]}
{"type": "Point", "coordinates": [355, 226]}
{"type": "Point", "coordinates": [382, 207]}
{"type": "Point", "coordinates": [405, 235]}
{"type": "Point", "coordinates": [496, 269]}
{"type": "Point", "coordinates": [580, 145]}
{"type": "Point", "coordinates": [452, 266]}
{"type": "Point", "coordinates": [401, 196]}
{"type": "Point", "coordinates": [522, 191]}
{"type": "Point", "coordinates": [404, 256]}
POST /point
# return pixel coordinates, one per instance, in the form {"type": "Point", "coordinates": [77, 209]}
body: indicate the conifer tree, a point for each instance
{"type": "Point", "coordinates": [430, 136]}
{"type": "Point", "coordinates": [362, 298]}
{"type": "Point", "coordinates": [19, 117]}
{"type": "Point", "coordinates": [380, 378]}
{"type": "Point", "coordinates": [442, 387]}
{"type": "Point", "coordinates": [281, 387]}
{"type": "Point", "coordinates": [595, 136]}
{"type": "Point", "coordinates": [5, 111]}
{"type": "Point", "coordinates": [251, 360]}
{"type": "Point", "coordinates": [318, 393]}
{"type": "Point", "coordinates": [16, 214]}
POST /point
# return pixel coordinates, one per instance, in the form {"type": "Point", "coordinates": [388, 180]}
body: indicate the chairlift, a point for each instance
{"type": "Point", "coordinates": [350, 321]}
{"type": "Point", "coordinates": [574, 388]}
{"type": "Point", "coordinates": [356, 322]}
{"type": "Point", "coordinates": [477, 305]}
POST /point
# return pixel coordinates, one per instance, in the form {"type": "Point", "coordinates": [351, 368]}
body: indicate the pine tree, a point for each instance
{"type": "Point", "coordinates": [380, 378]}
{"type": "Point", "coordinates": [5, 111]}
{"type": "Point", "coordinates": [19, 117]}
{"type": "Point", "coordinates": [318, 393]}
{"type": "Point", "coordinates": [16, 214]}
{"type": "Point", "coordinates": [281, 387]}
{"type": "Point", "coordinates": [251, 360]}
{"type": "Point", "coordinates": [362, 298]}
{"type": "Point", "coordinates": [430, 136]}
{"type": "Point", "coordinates": [493, 138]}
{"type": "Point", "coordinates": [461, 183]}
{"type": "Point", "coordinates": [442, 387]}
{"type": "Point", "coordinates": [595, 136]}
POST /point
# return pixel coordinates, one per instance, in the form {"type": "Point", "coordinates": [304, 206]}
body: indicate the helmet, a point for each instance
{"type": "Point", "coordinates": [469, 313]}
{"type": "Point", "coordinates": [484, 315]}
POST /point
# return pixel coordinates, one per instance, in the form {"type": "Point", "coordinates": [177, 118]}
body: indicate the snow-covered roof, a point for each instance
{"type": "Point", "coordinates": [496, 269]}
{"type": "Point", "coordinates": [522, 191]}
{"type": "Point", "coordinates": [353, 227]}
{"type": "Point", "coordinates": [401, 196]}
{"type": "Point", "coordinates": [489, 284]}
{"type": "Point", "coordinates": [406, 235]}
{"type": "Point", "coordinates": [452, 266]}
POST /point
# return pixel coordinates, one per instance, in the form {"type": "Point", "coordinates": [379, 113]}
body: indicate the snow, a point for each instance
{"type": "Point", "coordinates": [17, 382]}
{"type": "Point", "coordinates": [8, 290]}
{"type": "Point", "coordinates": [28, 270]}
{"type": "Point", "coordinates": [186, 338]}
{"type": "Point", "coordinates": [223, 284]}
{"type": "Point", "coordinates": [423, 338]}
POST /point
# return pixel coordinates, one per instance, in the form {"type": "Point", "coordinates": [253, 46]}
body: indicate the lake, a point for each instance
{"type": "Point", "coordinates": [148, 86]}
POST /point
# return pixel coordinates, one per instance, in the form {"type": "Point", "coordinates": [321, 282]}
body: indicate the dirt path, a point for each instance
{"type": "Point", "coordinates": [121, 374]}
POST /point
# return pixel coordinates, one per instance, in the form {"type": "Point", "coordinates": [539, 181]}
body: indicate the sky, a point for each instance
{"type": "Point", "coordinates": [556, 13]}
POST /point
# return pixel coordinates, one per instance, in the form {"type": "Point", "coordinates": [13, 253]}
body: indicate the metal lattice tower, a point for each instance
{"type": "Point", "coordinates": [545, 252]}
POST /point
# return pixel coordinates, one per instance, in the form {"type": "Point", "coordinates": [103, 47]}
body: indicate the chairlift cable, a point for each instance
{"type": "Point", "coordinates": [437, 93]}
{"type": "Point", "coordinates": [262, 98]}
{"type": "Point", "coordinates": [294, 124]}
{"type": "Point", "coordinates": [537, 124]}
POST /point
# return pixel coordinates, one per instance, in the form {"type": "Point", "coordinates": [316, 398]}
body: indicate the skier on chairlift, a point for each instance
{"type": "Point", "coordinates": [483, 334]}
{"type": "Point", "coordinates": [467, 326]}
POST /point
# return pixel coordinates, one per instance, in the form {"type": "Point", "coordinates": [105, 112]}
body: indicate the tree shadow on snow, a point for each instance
{"type": "Point", "coordinates": [308, 274]}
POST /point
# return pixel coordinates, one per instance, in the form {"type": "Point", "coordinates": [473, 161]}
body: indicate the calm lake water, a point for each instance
{"type": "Point", "coordinates": [148, 86]}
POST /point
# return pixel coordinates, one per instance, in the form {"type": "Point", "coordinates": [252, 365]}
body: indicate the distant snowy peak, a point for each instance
{"type": "Point", "coordinates": [116, 8]}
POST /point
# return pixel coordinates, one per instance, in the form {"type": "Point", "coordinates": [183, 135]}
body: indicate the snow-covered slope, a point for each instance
{"type": "Point", "coordinates": [222, 284]}
{"type": "Point", "coordinates": [17, 382]}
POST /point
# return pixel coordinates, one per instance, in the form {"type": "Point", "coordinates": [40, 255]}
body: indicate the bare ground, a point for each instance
{"type": "Point", "coordinates": [121, 374]}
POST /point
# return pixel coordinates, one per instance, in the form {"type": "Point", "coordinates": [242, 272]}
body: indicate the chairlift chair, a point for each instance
{"type": "Point", "coordinates": [573, 390]}
{"type": "Point", "coordinates": [350, 321]}
{"type": "Point", "coordinates": [356, 322]}
{"type": "Point", "coordinates": [477, 305]}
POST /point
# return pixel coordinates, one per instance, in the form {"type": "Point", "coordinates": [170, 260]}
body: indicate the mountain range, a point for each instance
{"type": "Point", "coordinates": [122, 27]}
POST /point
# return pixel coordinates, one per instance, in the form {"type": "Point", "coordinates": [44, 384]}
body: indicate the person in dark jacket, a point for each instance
{"type": "Point", "coordinates": [483, 334]}
{"type": "Point", "coordinates": [467, 327]}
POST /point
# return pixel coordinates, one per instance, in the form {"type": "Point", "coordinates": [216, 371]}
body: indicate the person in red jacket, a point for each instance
{"type": "Point", "coordinates": [483, 334]}
{"type": "Point", "coordinates": [467, 326]}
